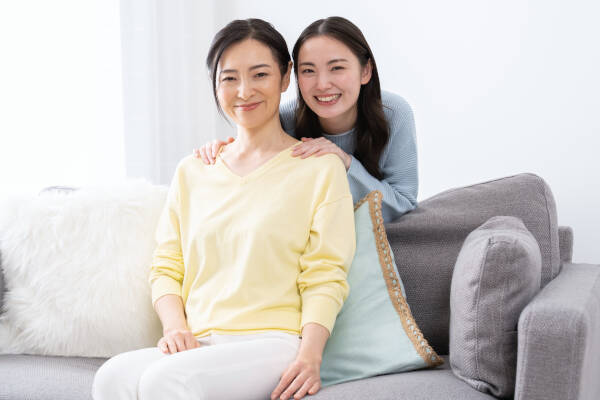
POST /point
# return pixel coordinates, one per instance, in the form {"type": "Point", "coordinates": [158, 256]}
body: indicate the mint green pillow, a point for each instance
{"type": "Point", "coordinates": [374, 332]}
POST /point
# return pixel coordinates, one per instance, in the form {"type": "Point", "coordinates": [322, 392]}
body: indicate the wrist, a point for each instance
{"type": "Point", "coordinates": [173, 328]}
{"type": "Point", "coordinates": [347, 161]}
{"type": "Point", "coordinates": [309, 356]}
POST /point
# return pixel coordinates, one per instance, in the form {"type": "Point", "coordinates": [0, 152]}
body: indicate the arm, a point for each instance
{"type": "Point", "coordinates": [322, 285]}
{"type": "Point", "coordinates": [399, 185]}
{"type": "Point", "coordinates": [167, 268]}
{"type": "Point", "coordinates": [559, 338]}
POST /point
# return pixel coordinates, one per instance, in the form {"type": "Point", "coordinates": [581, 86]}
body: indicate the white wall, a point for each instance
{"type": "Point", "coordinates": [497, 88]}
{"type": "Point", "coordinates": [61, 119]}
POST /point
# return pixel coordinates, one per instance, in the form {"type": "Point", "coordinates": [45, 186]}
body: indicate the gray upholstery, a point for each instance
{"type": "Point", "coordinates": [434, 384]}
{"type": "Point", "coordinates": [565, 240]}
{"type": "Point", "coordinates": [70, 378]}
{"type": "Point", "coordinates": [30, 377]}
{"type": "Point", "coordinates": [496, 275]}
{"type": "Point", "coordinates": [426, 241]}
{"type": "Point", "coordinates": [559, 338]}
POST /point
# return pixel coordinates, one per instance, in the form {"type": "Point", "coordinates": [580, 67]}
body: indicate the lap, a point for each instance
{"type": "Point", "coordinates": [255, 362]}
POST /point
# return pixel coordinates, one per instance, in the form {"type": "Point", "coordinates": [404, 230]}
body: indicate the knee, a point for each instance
{"type": "Point", "coordinates": [105, 385]}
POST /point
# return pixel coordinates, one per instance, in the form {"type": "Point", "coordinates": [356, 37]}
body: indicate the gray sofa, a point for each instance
{"type": "Point", "coordinates": [558, 331]}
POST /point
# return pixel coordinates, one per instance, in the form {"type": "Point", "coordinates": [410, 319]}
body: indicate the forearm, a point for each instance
{"type": "Point", "coordinates": [314, 338]}
{"type": "Point", "coordinates": [171, 312]}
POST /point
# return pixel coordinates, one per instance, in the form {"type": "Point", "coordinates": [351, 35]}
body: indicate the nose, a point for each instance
{"type": "Point", "coordinates": [323, 82]}
{"type": "Point", "coordinates": [245, 89]}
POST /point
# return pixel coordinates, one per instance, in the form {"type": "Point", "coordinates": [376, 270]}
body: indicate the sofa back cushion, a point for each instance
{"type": "Point", "coordinates": [426, 241]}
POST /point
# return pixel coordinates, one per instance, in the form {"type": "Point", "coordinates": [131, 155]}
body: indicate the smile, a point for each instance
{"type": "Point", "coordinates": [331, 99]}
{"type": "Point", "coordinates": [248, 107]}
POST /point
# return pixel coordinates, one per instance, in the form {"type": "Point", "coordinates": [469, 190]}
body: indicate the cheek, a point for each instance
{"type": "Point", "coordinates": [350, 83]}
{"type": "Point", "coordinates": [304, 83]}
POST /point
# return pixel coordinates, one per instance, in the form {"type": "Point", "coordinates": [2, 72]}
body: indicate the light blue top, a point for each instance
{"type": "Point", "coordinates": [398, 162]}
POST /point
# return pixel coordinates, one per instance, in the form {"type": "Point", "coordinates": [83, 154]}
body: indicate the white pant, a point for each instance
{"type": "Point", "coordinates": [224, 367]}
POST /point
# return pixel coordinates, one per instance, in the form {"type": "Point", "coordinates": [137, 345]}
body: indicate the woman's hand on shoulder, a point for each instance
{"type": "Point", "coordinates": [318, 147]}
{"type": "Point", "coordinates": [209, 151]}
{"type": "Point", "coordinates": [301, 377]}
{"type": "Point", "coordinates": [176, 340]}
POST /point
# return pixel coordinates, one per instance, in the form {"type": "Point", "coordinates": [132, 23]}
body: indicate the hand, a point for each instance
{"type": "Point", "coordinates": [176, 340]}
{"type": "Point", "coordinates": [301, 377]}
{"type": "Point", "coordinates": [319, 147]}
{"type": "Point", "coordinates": [209, 151]}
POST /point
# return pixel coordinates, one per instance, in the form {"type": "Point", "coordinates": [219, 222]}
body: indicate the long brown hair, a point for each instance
{"type": "Point", "coordinates": [371, 128]}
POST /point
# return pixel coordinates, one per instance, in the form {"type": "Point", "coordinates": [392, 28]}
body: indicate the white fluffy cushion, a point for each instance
{"type": "Point", "coordinates": [76, 270]}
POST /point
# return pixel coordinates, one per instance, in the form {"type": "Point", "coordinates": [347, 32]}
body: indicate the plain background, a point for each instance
{"type": "Point", "coordinates": [497, 88]}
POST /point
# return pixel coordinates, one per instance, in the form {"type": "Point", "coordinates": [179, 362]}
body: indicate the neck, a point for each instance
{"type": "Point", "coordinates": [259, 140]}
{"type": "Point", "coordinates": [340, 124]}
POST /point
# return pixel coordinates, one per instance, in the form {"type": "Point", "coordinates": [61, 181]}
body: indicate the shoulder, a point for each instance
{"type": "Point", "coordinates": [190, 164]}
{"type": "Point", "coordinates": [395, 106]}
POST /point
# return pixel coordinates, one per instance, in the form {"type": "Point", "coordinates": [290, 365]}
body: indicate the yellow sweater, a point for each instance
{"type": "Point", "coordinates": [268, 251]}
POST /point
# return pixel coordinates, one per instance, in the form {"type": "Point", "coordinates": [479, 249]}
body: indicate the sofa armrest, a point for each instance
{"type": "Point", "coordinates": [559, 338]}
{"type": "Point", "coordinates": [565, 243]}
{"type": "Point", "coordinates": [1, 285]}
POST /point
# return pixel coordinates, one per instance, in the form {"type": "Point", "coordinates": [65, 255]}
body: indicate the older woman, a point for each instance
{"type": "Point", "coordinates": [253, 250]}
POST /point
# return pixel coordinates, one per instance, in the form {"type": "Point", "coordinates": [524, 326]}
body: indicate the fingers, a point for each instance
{"type": "Point", "coordinates": [204, 155]}
{"type": "Point", "coordinates": [172, 347]}
{"type": "Point", "coordinates": [287, 377]}
{"type": "Point", "coordinates": [230, 139]}
{"type": "Point", "coordinates": [190, 341]}
{"type": "Point", "coordinates": [310, 147]}
{"type": "Point", "coordinates": [162, 346]}
{"type": "Point", "coordinates": [294, 386]}
{"type": "Point", "coordinates": [308, 384]}
{"type": "Point", "coordinates": [315, 388]}
{"type": "Point", "coordinates": [214, 149]}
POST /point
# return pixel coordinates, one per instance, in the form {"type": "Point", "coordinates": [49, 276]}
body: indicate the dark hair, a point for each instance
{"type": "Point", "coordinates": [372, 130]}
{"type": "Point", "coordinates": [239, 30]}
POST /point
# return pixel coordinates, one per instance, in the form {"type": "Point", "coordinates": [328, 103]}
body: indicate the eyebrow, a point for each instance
{"type": "Point", "coordinates": [225, 71]}
{"type": "Point", "coordinates": [328, 63]}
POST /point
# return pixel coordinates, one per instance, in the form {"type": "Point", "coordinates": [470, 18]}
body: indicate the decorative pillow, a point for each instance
{"type": "Point", "coordinates": [76, 270]}
{"type": "Point", "coordinates": [374, 332]}
{"type": "Point", "coordinates": [497, 273]}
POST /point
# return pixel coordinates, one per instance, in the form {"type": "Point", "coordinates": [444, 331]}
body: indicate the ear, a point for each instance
{"type": "Point", "coordinates": [285, 80]}
{"type": "Point", "coordinates": [365, 76]}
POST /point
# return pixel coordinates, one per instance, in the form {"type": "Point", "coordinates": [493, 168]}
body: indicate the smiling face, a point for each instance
{"type": "Point", "coordinates": [330, 77]}
{"type": "Point", "coordinates": [249, 84]}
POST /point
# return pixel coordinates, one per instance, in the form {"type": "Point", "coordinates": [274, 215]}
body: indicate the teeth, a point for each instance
{"type": "Point", "coordinates": [328, 98]}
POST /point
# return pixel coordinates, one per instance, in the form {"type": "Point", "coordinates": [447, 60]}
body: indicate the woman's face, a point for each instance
{"type": "Point", "coordinates": [330, 77]}
{"type": "Point", "coordinates": [249, 83]}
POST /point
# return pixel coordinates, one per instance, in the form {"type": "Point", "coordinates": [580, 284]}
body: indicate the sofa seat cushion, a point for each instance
{"type": "Point", "coordinates": [439, 384]}
{"type": "Point", "coordinates": [70, 378]}
{"type": "Point", "coordinates": [34, 377]}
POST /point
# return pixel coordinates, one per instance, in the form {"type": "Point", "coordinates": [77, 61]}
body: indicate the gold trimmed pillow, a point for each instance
{"type": "Point", "coordinates": [375, 332]}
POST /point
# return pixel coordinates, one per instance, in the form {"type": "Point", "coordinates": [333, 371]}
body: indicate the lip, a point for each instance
{"type": "Point", "coordinates": [249, 106]}
{"type": "Point", "coordinates": [328, 103]}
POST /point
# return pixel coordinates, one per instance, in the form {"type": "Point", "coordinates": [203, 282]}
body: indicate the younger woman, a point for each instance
{"type": "Point", "coordinates": [340, 110]}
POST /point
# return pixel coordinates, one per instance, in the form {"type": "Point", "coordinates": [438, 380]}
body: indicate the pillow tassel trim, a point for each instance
{"type": "Point", "coordinates": [393, 282]}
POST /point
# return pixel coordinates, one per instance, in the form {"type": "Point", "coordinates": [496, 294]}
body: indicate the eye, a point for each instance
{"type": "Point", "coordinates": [307, 71]}
{"type": "Point", "coordinates": [228, 78]}
{"type": "Point", "coordinates": [261, 74]}
{"type": "Point", "coordinates": [337, 67]}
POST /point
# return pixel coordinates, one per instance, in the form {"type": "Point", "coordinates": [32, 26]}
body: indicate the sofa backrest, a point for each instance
{"type": "Point", "coordinates": [427, 240]}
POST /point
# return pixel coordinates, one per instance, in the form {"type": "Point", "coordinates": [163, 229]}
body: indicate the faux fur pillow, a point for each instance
{"type": "Point", "coordinates": [76, 270]}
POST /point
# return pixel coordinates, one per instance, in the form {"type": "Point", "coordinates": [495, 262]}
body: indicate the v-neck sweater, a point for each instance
{"type": "Point", "coordinates": [267, 251]}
